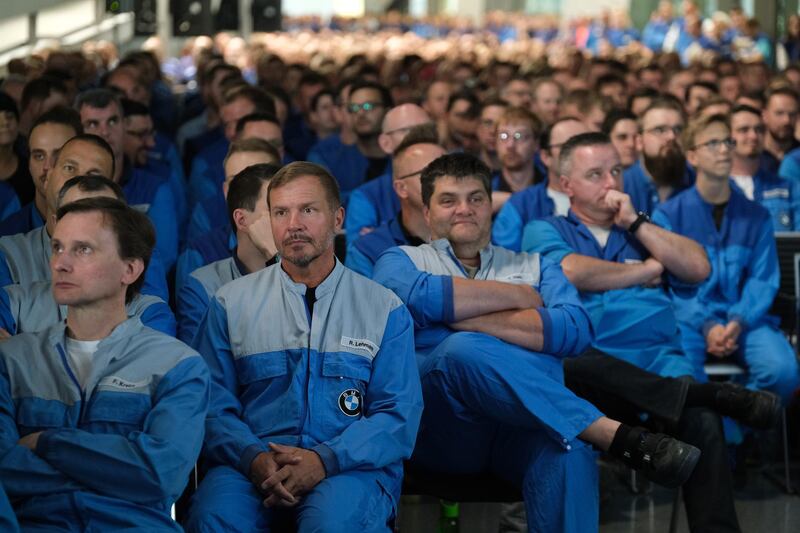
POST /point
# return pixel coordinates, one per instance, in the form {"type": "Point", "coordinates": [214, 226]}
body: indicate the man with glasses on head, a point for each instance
{"type": "Point", "coordinates": [357, 163]}
{"type": "Point", "coordinates": [375, 201]}
{"type": "Point", "coordinates": [727, 315]}
{"type": "Point", "coordinates": [751, 172]}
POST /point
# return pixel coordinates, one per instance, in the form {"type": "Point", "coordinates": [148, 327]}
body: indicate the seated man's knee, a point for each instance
{"type": "Point", "coordinates": [225, 501]}
{"type": "Point", "coordinates": [343, 504]}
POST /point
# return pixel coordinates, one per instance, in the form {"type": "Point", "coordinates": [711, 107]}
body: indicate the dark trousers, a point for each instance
{"type": "Point", "coordinates": [624, 392]}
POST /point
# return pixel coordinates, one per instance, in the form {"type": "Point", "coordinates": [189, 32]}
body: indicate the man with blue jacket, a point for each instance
{"type": "Point", "coordinates": [255, 247]}
{"type": "Point", "coordinates": [492, 330]}
{"type": "Point", "coordinates": [102, 432]}
{"type": "Point", "coordinates": [728, 315]}
{"type": "Point", "coordinates": [417, 150]}
{"type": "Point", "coordinates": [616, 259]}
{"type": "Point", "coordinates": [24, 258]}
{"type": "Point", "coordinates": [102, 114]}
{"type": "Point", "coordinates": [753, 175]}
{"type": "Point", "coordinates": [31, 307]}
{"type": "Point", "coordinates": [315, 401]}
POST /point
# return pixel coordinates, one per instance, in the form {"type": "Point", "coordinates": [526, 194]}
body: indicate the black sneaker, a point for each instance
{"type": "Point", "coordinates": [661, 458]}
{"type": "Point", "coordinates": [757, 409]}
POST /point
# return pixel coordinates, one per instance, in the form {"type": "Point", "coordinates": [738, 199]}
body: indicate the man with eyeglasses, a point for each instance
{"type": "Point", "coordinates": [407, 227]}
{"type": "Point", "coordinates": [375, 201]}
{"type": "Point", "coordinates": [663, 159]}
{"type": "Point", "coordinates": [752, 174]}
{"type": "Point", "coordinates": [541, 200]}
{"type": "Point", "coordinates": [357, 163]}
{"type": "Point", "coordinates": [139, 143]}
{"type": "Point", "coordinates": [726, 317]}
{"type": "Point", "coordinates": [619, 261]}
{"type": "Point", "coordinates": [517, 140]}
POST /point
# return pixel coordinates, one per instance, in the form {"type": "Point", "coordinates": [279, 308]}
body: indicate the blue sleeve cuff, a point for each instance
{"type": "Point", "coordinates": [547, 330]}
{"type": "Point", "coordinates": [738, 318]}
{"type": "Point", "coordinates": [246, 460]}
{"type": "Point", "coordinates": [708, 325]}
{"type": "Point", "coordinates": [329, 459]}
{"type": "Point", "coordinates": [448, 305]}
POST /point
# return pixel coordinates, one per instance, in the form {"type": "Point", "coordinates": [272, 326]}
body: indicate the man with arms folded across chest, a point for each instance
{"type": "Point", "coordinates": [493, 328]}
{"type": "Point", "coordinates": [101, 418]}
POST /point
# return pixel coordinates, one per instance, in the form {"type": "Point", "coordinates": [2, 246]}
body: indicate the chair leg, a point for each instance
{"type": "Point", "coordinates": [676, 509]}
{"type": "Point", "coordinates": [785, 440]}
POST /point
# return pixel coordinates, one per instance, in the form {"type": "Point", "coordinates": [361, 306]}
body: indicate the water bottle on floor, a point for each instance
{"type": "Point", "coordinates": [448, 517]}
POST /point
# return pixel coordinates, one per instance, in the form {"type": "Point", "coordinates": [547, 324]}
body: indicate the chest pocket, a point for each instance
{"type": "Point", "coordinates": [35, 414]}
{"type": "Point", "coordinates": [258, 367]}
{"type": "Point", "coordinates": [344, 390]}
{"type": "Point", "coordinates": [114, 411]}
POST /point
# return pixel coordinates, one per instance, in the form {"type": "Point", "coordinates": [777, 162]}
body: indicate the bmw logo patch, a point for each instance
{"type": "Point", "coordinates": [350, 402]}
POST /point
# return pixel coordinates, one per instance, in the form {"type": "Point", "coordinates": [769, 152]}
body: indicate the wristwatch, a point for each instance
{"type": "Point", "coordinates": [640, 219]}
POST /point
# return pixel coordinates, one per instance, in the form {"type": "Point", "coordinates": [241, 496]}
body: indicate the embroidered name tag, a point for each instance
{"type": "Point", "coordinates": [776, 193]}
{"type": "Point", "coordinates": [115, 382]}
{"type": "Point", "coordinates": [359, 344]}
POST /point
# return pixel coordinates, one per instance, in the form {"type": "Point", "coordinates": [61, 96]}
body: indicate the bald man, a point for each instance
{"type": "Point", "coordinates": [375, 202]}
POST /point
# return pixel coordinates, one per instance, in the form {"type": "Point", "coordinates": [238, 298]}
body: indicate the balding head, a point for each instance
{"type": "Point", "coordinates": [398, 122]}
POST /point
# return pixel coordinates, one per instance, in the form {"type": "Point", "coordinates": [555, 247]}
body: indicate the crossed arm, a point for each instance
{"type": "Point", "coordinates": [504, 310]}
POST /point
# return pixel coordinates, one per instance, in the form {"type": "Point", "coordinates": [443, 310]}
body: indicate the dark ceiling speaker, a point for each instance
{"type": "Point", "coordinates": [145, 20]}
{"type": "Point", "coordinates": [191, 17]}
{"type": "Point", "coordinates": [266, 15]}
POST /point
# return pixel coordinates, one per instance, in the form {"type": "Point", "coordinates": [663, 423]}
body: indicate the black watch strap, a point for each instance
{"type": "Point", "coordinates": [641, 219]}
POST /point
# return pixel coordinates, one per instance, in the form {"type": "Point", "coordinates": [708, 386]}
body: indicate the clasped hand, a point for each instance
{"type": "Point", "coordinates": [721, 341]}
{"type": "Point", "coordinates": [286, 473]}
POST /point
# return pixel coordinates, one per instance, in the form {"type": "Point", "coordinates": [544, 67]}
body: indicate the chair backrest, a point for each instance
{"type": "Point", "coordinates": [788, 243]}
{"type": "Point", "coordinates": [786, 302]}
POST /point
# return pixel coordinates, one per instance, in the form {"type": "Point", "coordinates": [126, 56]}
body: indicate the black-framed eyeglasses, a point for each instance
{"type": "Point", "coordinates": [366, 106]}
{"type": "Point", "coordinates": [518, 136]}
{"type": "Point", "coordinates": [715, 144]}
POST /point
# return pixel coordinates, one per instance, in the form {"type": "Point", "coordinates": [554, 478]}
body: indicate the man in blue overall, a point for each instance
{"type": "Point", "coordinates": [617, 264]}
{"type": "Point", "coordinates": [316, 400]}
{"type": "Point", "coordinates": [255, 248]}
{"type": "Point", "coordinates": [25, 257]}
{"type": "Point", "coordinates": [102, 432]}
{"type": "Point", "coordinates": [728, 315]}
{"type": "Point", "coordinates": [492, 330]}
